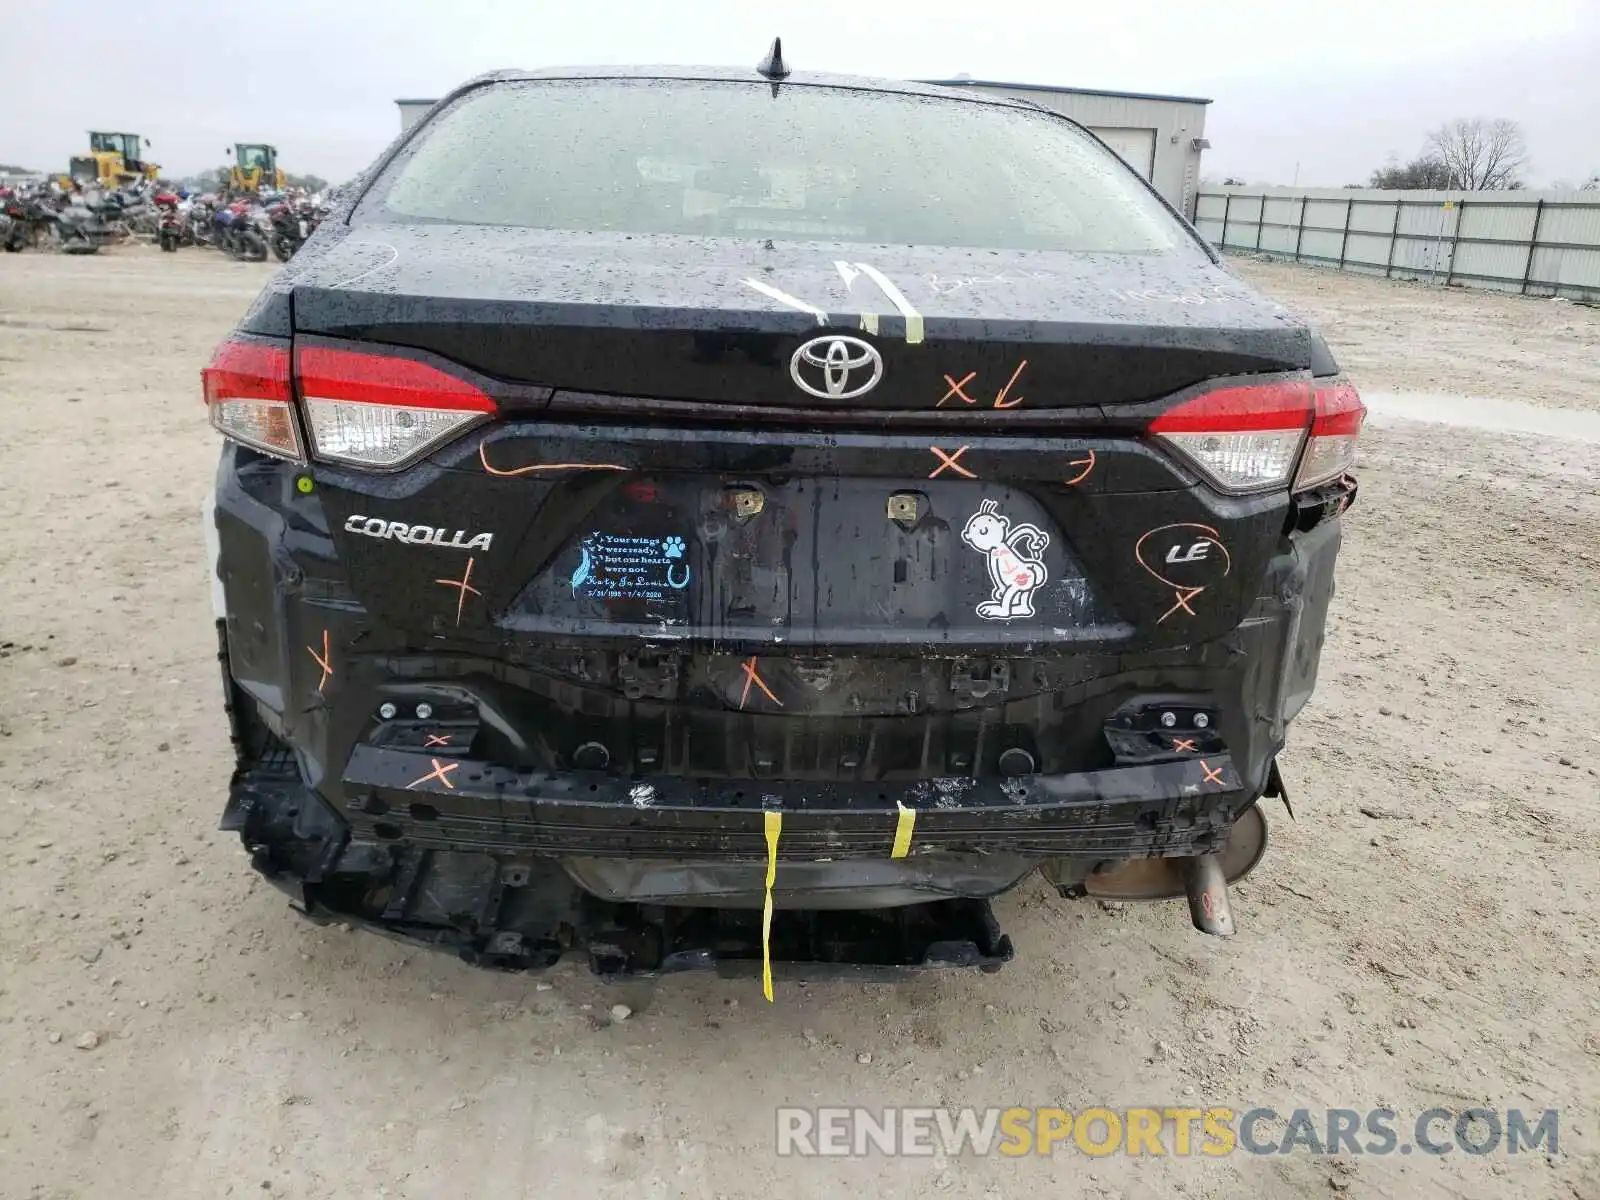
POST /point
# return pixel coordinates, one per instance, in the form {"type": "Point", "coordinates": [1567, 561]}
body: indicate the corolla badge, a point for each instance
{"type": "Point", "coordinates": [836, 368]}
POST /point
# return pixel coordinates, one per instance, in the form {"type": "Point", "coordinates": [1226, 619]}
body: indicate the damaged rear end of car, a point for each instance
{"type": "Point", "coordinates": [599, 569]}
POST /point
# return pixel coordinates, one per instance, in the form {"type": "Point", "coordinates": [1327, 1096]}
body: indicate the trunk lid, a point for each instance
{"type": "Point", "coordinates": [719, 322]}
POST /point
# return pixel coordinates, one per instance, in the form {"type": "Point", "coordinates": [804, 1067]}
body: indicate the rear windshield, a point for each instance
{"type": "Point", "coordinates": [731, 159]}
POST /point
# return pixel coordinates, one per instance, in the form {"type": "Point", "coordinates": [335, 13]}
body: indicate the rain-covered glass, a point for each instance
{"type": "Point", "coordinates": [731, 159]}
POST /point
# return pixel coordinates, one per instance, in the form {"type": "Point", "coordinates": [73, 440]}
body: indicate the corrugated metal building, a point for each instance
{"type": "Point", "coordinates": [1161, 137]}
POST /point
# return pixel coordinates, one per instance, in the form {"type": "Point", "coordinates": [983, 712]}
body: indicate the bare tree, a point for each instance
{"type": "Point", "coordinates": [1480, 155]}
{"type": "Point", "coordinates": [1424, 171]}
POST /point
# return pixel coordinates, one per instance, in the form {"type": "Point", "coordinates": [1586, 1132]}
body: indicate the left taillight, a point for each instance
{"type": "Point", "coordinates": [379, 411]}
{"type": "Point", "coordinates": [382, 411]}
{"type": "Point", "coordinates": [248, 398]}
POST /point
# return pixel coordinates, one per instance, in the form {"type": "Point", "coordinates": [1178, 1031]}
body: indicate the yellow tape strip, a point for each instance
{"type": "Point", "coordinates": [905, 825]}
{"type": "Point", "coordinates": [774, 823]}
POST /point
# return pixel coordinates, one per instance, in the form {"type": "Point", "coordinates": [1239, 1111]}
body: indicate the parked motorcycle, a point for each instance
{"type": "Point", "coordinates": [30, 220]}
{"type": "Point", "coordinates": [90, 219]}
{"type": "Point", "coordinates": [242, 230]}
{"type": "Point", "coordinates": [202, 220]}
{"type": "Point", "coordinates": [293, 221]}
{"type": "Point", "coordinates": [172, 229]}
{"type": "Point", "coordinates": [127, 211]}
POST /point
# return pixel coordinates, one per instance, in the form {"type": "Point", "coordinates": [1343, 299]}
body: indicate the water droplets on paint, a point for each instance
{"type": "Point", "coordinates": [943, 792]}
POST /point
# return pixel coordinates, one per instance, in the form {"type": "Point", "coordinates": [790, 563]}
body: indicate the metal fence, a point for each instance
{"type": "Point", "coordinates": [1538, 245]}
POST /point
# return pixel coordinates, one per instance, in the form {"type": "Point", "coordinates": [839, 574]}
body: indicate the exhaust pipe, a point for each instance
{"type": "Point", "coordinates": [1207, 889]}
{"type": "Point", "coordinates": [1203, 880]}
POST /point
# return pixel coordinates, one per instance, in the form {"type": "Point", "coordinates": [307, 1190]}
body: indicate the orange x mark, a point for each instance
{"type": "Point", "coordinates": [464, 584]}
{"type": "Point", "coordinates": [1183, 744]}
{"type": "Point", "coordinates": [436, 739]}
{"type": "Point", "coordinates": [322, 661]}
{"type": "Point", "coordinates": [1213, 774]}
{"type": "Point", "coordinates": [957, 389]}
{"type": "Point", "coordinates": [751, 675]}
{"type": "Point", "coordinates": [947, 462]}
{"type": "Point", "coordinates": [441, 772]}
{"type": "Point", "coordinates": [1184, 596]}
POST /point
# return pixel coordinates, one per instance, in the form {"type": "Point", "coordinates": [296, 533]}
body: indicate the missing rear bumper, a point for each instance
{"type": "Point", "coordinates": [516, 870]}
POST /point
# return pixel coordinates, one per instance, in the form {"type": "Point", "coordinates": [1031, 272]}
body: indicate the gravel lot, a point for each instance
{"type": "Point", "coordinates": [1425, 933]}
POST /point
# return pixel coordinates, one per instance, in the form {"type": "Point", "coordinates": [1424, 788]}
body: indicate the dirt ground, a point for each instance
{"type": "Point", "coordinates": [1425, 933]}
{"type": "Point", "coordinates": [1419, 337]}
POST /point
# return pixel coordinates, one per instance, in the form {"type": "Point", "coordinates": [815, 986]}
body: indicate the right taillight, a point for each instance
{"type": "Point", "coordinates": [1331, 449]}
{"type": "Point", "coordinates": [1242, 437]}
{"type": "Point", "coordinates": [1247, 437]}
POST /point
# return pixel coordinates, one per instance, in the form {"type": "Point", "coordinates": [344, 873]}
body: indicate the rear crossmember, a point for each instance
{"type": "Point", "coordinates": [526, 914]}
{"type": "Point", "coordinates": [513, 910]}
{"type": "Point", "coordinates": [473, 869]}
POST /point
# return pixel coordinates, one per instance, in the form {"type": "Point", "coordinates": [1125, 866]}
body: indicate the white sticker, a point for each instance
{"type": "Point", "coordinates": [1016, 561]}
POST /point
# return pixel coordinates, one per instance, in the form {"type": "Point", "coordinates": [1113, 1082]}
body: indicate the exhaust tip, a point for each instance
{"type": "Point", "coordinates": [1207, 889]}
{"type": "Point", "coordinates": [1203, 880]}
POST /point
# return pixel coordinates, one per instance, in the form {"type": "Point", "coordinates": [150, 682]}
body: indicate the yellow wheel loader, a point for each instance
{"type": "Point", "coordinates": [113, 159]}
{"type": "Point", "coordinates": [255, 166]}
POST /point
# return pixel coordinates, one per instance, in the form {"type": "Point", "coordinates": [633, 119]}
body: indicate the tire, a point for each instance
{"type": "Point", "coordinates": [282, 248]}
{"type": "Point", "coordinates": [169, 240]}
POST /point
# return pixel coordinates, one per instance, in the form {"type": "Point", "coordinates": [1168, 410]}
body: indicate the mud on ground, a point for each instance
{"type": "Point", "coordinates": [1423, 934]}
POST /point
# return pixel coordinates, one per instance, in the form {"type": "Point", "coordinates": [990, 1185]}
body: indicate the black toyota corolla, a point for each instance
{"type": "Point", "coordinates": [659, 496]}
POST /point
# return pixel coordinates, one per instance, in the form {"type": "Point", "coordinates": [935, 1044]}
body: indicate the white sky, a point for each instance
{"type": "Point", "coordinates": [1332, 87]}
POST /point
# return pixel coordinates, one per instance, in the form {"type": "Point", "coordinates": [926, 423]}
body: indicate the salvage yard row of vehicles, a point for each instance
{"type": "Point", "coordinates": [81, 220]}
{"type": "Point", "coordinates": [113, 194]}
{"type": "Point", "coordinates": [762, 549]}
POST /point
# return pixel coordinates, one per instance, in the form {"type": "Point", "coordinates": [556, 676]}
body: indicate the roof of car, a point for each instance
{"type": "Point", "coordinates": [867, 83]}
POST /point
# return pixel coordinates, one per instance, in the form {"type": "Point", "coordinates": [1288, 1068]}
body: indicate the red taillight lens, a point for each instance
{"type": "Point", "coordinates": [379, 410]}
{"type": "Point", "coordinates": [247, 397]}
{"type": "Point", "coordinates": [1331, 450]}
{"type": "Point", "coordinates": [1247, 438]}
{"type": "Point", "coordinates": [1243, 438]}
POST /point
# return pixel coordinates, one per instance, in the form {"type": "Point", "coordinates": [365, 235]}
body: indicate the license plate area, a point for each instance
{"type": "Point", "coordinates": [828, 557]}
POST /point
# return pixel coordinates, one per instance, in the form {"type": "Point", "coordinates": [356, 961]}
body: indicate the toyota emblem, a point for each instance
{"type": "Point", "coordinates": [836, 368]}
